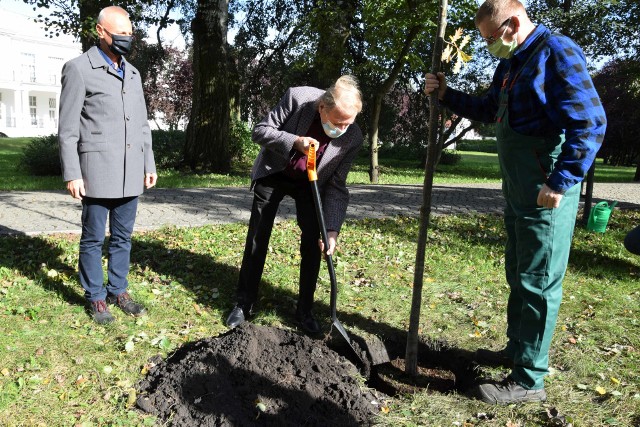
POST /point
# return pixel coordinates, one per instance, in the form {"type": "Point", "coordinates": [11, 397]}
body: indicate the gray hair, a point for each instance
{"type": "Point", "coordinates": [344, 89]}
{"type": "Point", "coordinates": [498, 10]}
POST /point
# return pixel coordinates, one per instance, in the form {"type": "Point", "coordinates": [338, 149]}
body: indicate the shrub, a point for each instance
{"type": "Point", "coordinates": [41, 157]}
{"type": "Point", "coordinates": [240, 143]}
{"type": "Point", "coordinates": [168, 146]}
{"type": "Point", "coordinates": [481, 145]}
{"type": "Point", "coordinates": [450, 157]}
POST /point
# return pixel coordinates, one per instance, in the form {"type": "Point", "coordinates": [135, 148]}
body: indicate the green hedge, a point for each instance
{"type": "Point", "coordinates": [40, 157]}
{"type": "Point", "coordinates": [481, 145]}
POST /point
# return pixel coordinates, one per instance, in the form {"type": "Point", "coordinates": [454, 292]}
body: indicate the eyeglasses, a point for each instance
{"type": "Point", "coordinates": [493, 37]}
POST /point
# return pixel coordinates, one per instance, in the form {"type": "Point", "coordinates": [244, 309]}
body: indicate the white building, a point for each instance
{"type": "Point", "coordinates": [30, 77]}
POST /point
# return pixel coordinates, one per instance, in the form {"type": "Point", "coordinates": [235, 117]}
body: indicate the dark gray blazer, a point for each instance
{"type": "Point", "coordinates": [103, 131]}
{"type": "Point", "coordinates": [277, 132]}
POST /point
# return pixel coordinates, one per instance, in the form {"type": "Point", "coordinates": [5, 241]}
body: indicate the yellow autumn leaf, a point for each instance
{"type": "Point", "coordinates": [455, 37]}
{"type": "Point", "coordinates": [52, 273]}
{"type": "Point", "coordinates": [131, 398]}
{"type": "Point", "coordinates": [384, 409]}
{"type": "Point", "coordinates": [464, 41]}
{"type": "Point", "coordinates": [615, 380]}
{"type": "Point", "coordinates": [458, 66]}
{"type": "Point", "coordinates": [446, 53]}
{"type": "Point", "coordinates": [601, 390]}
{"type": "Point", "coordinates": [5, 372]}
{"type": "Point", "coordinates": [464, 56]}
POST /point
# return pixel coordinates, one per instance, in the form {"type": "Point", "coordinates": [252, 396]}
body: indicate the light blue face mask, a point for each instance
{"type": "Point", "coordinates": [332, 131]}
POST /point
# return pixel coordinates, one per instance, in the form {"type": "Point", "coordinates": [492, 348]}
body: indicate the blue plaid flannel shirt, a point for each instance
{"type": "Point", "coordinates": [553, 94]}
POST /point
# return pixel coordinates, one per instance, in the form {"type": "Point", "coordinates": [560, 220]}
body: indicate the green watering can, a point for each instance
{"type": "Point", "coordinates": [599, 216]}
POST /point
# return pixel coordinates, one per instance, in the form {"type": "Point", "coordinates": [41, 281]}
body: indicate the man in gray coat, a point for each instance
{"type": "Point", "coordinates": [106, 156]}
{"type": "Point", "coordinates": [304, 116]}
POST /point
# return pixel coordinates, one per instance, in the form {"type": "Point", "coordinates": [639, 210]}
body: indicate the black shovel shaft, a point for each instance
{"type": "Point", "coordinates": [325, 239]}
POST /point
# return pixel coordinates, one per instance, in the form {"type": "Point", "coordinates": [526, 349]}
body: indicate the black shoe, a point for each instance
{"type": "Point", "coordinates": [100, 312]}
{"type": "Point", "coordinates": [506, 392]}
{"type": "Point", "coordinates": [308, 323]}
{"type": "Point", "coordinates": [236, 317]}
{"type": "Point", "coordinates": [126, 304]}
{"type": "Point", "coordinates": [486, 357]}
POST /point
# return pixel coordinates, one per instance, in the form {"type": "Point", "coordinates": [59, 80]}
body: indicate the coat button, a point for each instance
{"type": "Point", "coordinates": [127, 118]}
{"type": "Point", "coordinates": [128, 146]}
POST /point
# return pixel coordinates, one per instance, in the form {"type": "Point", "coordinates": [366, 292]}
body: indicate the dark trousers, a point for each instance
{"type": "Point", "coordinates": [268, 193]}
{"type": "Point", "coordinates": [122, 215]}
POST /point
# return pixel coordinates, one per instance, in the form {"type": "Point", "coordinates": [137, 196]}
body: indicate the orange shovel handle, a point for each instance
{"type": "Point", "coordinates": [311, 163]}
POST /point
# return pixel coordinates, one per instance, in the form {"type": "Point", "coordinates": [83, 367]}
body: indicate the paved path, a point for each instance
{"type": "Point", "coordinates": [36, 212]}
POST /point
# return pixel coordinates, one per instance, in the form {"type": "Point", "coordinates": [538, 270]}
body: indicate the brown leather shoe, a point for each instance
{"type": "Point", "coordinates": [100, 313]}
{"type": "Point", "coordinates": [126, 304]}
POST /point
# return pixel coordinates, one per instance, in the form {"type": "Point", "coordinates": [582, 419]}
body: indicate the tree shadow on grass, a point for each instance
{"type": "Point", "coordinates": [34, 257]}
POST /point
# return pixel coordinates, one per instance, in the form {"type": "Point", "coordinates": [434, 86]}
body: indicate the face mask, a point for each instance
{"type": "Point", "coordinates": [501, 49]}
{"type": "Point", "coordinates": [120, 45]}
{"type": "Point", "coordinates": [332, 131]}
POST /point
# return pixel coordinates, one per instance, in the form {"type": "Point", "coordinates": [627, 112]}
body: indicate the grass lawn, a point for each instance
{"type": "Point", "coordinates": [59, 368]}
{"type": "Point", "coordinates": [474, 167]}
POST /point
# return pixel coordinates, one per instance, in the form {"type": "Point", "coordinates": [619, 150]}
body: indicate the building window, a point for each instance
{"type": "Point", "coordinates": [32, 111]}
{"type": "Point", "coordinates": [52, 110]}
{"type": "Point", "coordinates": [55, 67]}
{"type": "Point", "coordinates": [29, 67]}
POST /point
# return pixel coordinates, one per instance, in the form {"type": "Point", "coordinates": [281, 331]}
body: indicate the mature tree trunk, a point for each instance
{"type": "Point", "coordinates": [333, 22]}
{"type": "Point", "coordinates": [378, 97]}
{"type": "Point", "coordinates": [89, 10]}
{"type": "Point", "coordinates": [207, 142]}
{"type": "Point", "coordinates": [411, 356]}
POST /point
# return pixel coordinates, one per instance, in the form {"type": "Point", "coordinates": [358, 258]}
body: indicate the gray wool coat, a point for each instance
{"type": "Point", "coordinates": [103, 132]}
{"type": "Point", "coordinates": [277, 132]}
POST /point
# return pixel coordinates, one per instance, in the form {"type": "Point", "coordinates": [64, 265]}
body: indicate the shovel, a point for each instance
{"type": "Point", "coordinates": [313, 180]}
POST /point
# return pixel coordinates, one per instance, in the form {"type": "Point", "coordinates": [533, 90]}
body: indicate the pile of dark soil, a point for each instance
{"type": "Point", "coordinates": [256, 375]}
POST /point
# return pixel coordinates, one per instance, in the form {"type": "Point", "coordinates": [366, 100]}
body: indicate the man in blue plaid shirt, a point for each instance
{"type": "Point", "coordinates": [549, 127]}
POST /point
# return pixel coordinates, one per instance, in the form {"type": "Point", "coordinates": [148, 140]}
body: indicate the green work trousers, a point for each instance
{"type": "Point", "coordinates": [537, 248]}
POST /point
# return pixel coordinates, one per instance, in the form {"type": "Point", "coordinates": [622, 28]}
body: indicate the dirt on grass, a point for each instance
{"type": "Point", "coordinates": [258, 375]}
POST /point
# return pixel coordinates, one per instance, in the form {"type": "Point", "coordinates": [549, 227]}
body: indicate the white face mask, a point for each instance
{"type": "Point", "coordinates": [332, 131]}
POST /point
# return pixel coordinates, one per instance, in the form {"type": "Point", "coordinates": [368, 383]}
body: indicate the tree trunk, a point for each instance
{"type": "Point", "coordinates": [332, 42]}
{"type": "Point", "coordinates": [379, 95]}
{"type": "Point", "coordinates": [89, 10]}
{"type": "Point", "coordinates": [411, 356]}
{"type": "Point", "coordinates": [374, 170]}
{"type": "Point", "coordinates": [207, 141]}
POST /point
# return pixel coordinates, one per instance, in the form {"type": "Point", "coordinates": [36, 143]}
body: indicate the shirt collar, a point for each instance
{"type": "Point", "coordinates": [537, 34]}
{"type": "Point", "coordinates": [109, 61]}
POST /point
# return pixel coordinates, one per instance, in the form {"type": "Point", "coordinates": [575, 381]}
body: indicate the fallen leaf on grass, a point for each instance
{"type": "Point", "coordinates": [5, 372]}
{"type": "Point", "coordinates": [384, 409]}
{"type": "Point", "coordinates": [601, 390]}
{"type": "Point", "coordinates": [131, 398]}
